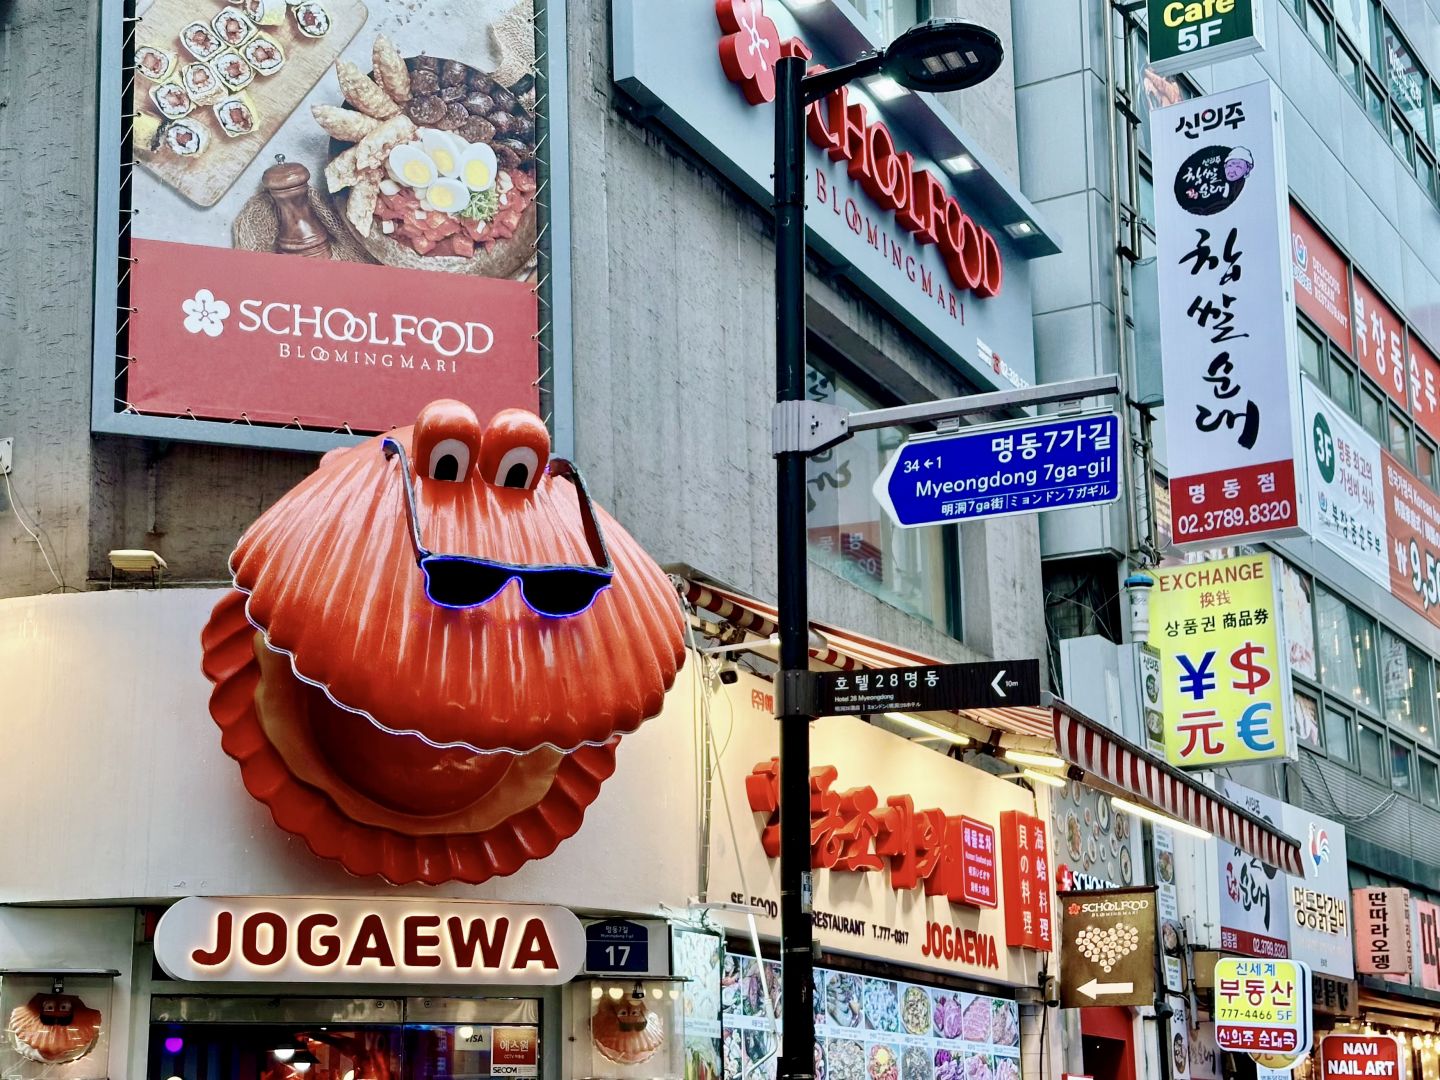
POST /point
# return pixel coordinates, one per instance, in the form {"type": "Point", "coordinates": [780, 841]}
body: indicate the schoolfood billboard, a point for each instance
{"type": "Point", "coordinates": [1227, 329]}
{"type": "Point", "coordinates": [336, 213]}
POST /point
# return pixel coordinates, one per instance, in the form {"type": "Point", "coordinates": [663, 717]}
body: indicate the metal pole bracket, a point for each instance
{"type": "Point", "coordinates": [796, 694]}
{"type": "Point", "coordinates": [806, 427]}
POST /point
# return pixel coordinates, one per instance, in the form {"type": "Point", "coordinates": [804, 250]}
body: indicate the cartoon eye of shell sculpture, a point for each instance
{"type": "Point", "coordinates": [625, 1030]}
{"type": "Point", "coordinates": [54, 1028]}
{"type": "Point", "coordinates": [433, 646]}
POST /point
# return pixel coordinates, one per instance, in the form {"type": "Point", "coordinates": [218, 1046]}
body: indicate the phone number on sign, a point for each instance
{"type": "Point", "coordinates": [1231, 517]}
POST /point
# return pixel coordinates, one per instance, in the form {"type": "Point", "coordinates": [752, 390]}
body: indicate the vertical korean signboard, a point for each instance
{"type": "Point", "coordinates": [1319, 900]}
{"type": "Point", "coordinates": [338, 209]}
{"type": "Point", "coordinates": [1227, 317]}
{"type": "Point", "coordinates": [1347, 485]}
{"type": "Point", "coordinates": [1226, 683]}
{"type": "Point", "coordinates": [1382, 931]}
{"type": "Point", "coordinates": [1254, 907]}
{"type": "Point", "coordinates": [1025, 867]}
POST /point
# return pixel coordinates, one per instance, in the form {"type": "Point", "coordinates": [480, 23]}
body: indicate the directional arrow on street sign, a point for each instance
{"type": "Point", "coordinates": [998, 470]}
{"type": "Point", "coordinates": [933, 688]}
{"type": "Point", "coordinates": [1094, 989]}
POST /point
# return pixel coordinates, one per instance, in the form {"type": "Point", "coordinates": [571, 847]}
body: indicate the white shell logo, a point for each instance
{"type": "Point", "coordinates": [204, 314]}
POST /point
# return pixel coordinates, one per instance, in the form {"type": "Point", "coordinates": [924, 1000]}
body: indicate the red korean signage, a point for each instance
{"type": "Point", "coordinates": [229, 334]}
{"type": "Point", "coordinates": [1344, 1056]}
{"type": "Point", "coordinates": [1380, 341]}
{"type": "Point", "coordinates": [1412, 525]}
{"type": "Point", "coordinates": [1025, 861]}
{"type": "Point", "coordinates": [1425, 387]}
{"type": "Point", "coordinates": [749, 47]}
{"type": "Point", "coordinates": [514, 1051]}
{"type": "Point", "coordinates": [949, 855]}
{"type": "Point", "coordinates": [1321, 288]}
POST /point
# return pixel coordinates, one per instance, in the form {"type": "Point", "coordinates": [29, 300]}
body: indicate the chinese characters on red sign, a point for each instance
{"type": "Point", "coordinates": [1026, 860]}
{"type": "Point", "coordinates": [950, 855]}
{"type": "Point", "coordinates": [1380, 341]}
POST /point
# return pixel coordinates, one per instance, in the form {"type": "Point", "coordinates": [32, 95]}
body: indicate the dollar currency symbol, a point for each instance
{"type": "Point", "coordinates": [1245, 662]}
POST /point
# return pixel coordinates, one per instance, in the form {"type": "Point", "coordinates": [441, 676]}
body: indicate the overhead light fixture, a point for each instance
{"type": "Point", "coordinates": [1157, 818]}
{"type": "Point", "coordinates": [303, 1060]}
{"type": "Point", "coordinates": [283, 1053]}
{"type": "Point", "coordinates": [943, 54]}
{"type": "Point", "coordinates": [927, 728]}
{"type": "Point", "coordinates": [1020, 229]}
{"type": "Point", "coordinates": [884, 88]}
{"type": "Point", "coordinates": [1027, 757]}
{"type": "Point", "coordinates": [1045, 778]}
{"type": "Point", "coordinates": [137, 560]}
{"type": "Point", "coordinates": [960, 163]}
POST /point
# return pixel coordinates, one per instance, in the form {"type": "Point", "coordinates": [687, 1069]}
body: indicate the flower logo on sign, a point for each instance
{"type": "Point", "coordinates": [750, 48]}
{"type": "Point", "coordinates": [204, 314]}
{"type": "Point", "coordinates": [1302, 252]}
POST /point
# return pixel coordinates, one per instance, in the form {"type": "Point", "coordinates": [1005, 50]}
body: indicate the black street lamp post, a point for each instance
{"type": "Point", "coordinates": [938, 55]}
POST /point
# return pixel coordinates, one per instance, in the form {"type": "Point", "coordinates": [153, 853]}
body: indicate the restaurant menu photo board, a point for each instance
{"type": "Point", "coordinates": [336, 211]}
{"type": "Point", "coordinates": [870, 1028]}
{"type": "Point", "coordinates": [697, 957]}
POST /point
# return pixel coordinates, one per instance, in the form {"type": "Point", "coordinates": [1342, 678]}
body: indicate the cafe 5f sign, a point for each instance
{"type": "Point", "coordinates": [1187, 33]}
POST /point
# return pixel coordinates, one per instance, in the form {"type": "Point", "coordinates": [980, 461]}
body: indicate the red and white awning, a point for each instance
{"type": "Point", "coordinates": [1136, 774]}
{"type": "Point", "coordinates": [1108, 761]}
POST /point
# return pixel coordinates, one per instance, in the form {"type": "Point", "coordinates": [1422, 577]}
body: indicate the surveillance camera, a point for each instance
{"type": "Point", "coordinates": [729, 673]}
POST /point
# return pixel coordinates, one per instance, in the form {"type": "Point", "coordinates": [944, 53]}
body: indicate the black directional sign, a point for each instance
{"type": "Point", "coordinates": [933, 688]}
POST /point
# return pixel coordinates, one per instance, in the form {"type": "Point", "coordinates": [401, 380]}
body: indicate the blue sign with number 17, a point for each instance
{"type": "Point", "coordinates": [997, 470]}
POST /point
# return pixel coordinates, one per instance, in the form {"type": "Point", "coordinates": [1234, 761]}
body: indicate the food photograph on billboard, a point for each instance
{"type": "Point", "coordinates": [332, 211]}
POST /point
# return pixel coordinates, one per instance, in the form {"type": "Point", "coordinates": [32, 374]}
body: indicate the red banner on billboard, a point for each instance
{"type": "Point", "coordinates": [228, 334]}
{"type": "Point", "coordinates": [1321, 290]}
{"type": "Point", "coordinates": [1425, 387]}
{"type": "Point", "coordinates": [1380, 341]}
{"type": "Point", "coordinates": [1412, 526]}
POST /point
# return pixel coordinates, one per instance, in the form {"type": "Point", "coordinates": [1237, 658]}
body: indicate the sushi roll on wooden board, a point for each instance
{"type": "Point", "coordinates": [284, 52]}
{"type": "Point", "coordinates": [172, 100]}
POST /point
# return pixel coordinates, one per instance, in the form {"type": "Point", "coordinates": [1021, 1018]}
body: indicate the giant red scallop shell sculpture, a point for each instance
{"type": "Point", "coordinates": [434, 644]}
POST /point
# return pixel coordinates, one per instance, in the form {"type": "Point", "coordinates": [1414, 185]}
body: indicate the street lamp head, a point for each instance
{"type": "Point", "coordinates": [943, 54]}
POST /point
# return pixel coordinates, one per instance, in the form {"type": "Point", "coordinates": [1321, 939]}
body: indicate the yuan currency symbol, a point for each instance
{"type": "Point", "coordinates": [1245, 661]}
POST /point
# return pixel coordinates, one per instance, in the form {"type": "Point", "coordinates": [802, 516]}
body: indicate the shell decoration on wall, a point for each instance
{"type": "Point", "coordinates": [433, 647]}
{"type": "Point", "coordinates": [54, 1028]}
{"type": "Point", "coordinates": [625, 1031]}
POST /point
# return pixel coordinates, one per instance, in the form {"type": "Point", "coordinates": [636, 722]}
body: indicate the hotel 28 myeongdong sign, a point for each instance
{"type": "Point", "coordinates": [878, 201]}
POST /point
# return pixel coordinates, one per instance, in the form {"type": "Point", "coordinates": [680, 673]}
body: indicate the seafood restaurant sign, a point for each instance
{"type": "Point", "coordinates": [317, 940]}
{"type": "Point", "coordinates": [902, 868]}
{"type": "Point", "coordinates": [897, 195]}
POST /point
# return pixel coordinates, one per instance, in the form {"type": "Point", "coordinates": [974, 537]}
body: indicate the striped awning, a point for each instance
{"type": "Point", "coordinates": [1110, 760]}
{"type": "Point", "coordinates": [1107, 760]}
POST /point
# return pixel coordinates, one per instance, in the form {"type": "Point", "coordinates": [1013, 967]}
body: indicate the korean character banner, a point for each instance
{"type": "Point", "coordinates": [1227, 317]}
{"type": "Point", "coordinates": [1226, 684]}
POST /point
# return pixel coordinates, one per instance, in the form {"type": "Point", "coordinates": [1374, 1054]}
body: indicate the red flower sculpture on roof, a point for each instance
{"type": "Point", "coordinates": [750, 48]}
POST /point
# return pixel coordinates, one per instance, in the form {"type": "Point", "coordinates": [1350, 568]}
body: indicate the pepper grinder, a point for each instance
{"type": "Point", "coordinates": [301, 232]}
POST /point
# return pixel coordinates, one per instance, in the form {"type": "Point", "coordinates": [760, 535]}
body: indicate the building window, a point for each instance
{"type": "Point", "coordinates": [1372, 410]}
{"type": "Point", "coordinates": [1428, 773]}
{"type": "Point", "coordinates": [1345, 644]}
{"type": "Point", "coordinates": [1425, 459]}
{"type": "Point", "coordinates": [890, 18]}
{"type": "Point", "coordinates": [1339, 734]}
{"type": "Point", "coordinates": [1400, 438]}
{"type": "Point", "coordinates": [916, 570]}
{"type": "Point", "coordinates": [1372, 751]}
{"type": "Point", "coordinates": [1353, 19]}
{"type": "Point", "coordinates": [1402, 774]}
{"type": "Point", "coordinates": [1406, 686]}
{"type": "Point", "coordinates": [1406, 79]}
{"type": "Point", "coordinates": [1307, 720]}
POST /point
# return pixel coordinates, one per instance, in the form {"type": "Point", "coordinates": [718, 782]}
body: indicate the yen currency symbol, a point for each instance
{"type": "Point", "coordinates": [1245, 660]}
{"type": "Point", "coordinates": [1254, 728]}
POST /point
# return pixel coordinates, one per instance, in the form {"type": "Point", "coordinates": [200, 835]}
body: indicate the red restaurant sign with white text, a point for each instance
{"type": "Point", "coordinates": [1425, 387]}
{"type": "Point", "coordinates": [1321, 289]}
{"type": "Point", "coordinates": [1380, 341]}
{"type": "Point", "coordinates": [222, 334]}
{"type": "Point", "coordinates": [1412, 527]}
{"type": "Point", "coordinates": [1028, 916]}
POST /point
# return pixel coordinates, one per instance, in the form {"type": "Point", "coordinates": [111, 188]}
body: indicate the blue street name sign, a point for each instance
{"type": "Point", "coordinates": [617, 946]}
{"type": "Point", "coordinates": [997, 470]}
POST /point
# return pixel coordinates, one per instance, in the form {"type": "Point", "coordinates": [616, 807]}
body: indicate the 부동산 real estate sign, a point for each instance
{"type": "Point", "coordinates": [1347, 485]}
{"type": "Point", "coordinates": [1227, 317]}
{"type": "Point", "coordinates": [1188, 33]}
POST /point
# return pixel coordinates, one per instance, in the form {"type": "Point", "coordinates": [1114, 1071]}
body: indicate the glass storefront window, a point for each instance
{"type": "Point", "coordinates": [1345, 648]}
{"type": "Point", "coordinates": [1406, 686]}
{"type": "Point", "coordinates": [851, 536]}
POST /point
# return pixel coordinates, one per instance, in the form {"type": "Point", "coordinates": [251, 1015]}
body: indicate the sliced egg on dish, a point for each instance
{"type": "Point", "coordinates": [444, 149]}
{"type": "Point", "coordinates": [446, 195]}
{"type": "Point", "coordinates": [411, 166]}
{"type": "Point", "coordinates": [477, 167]}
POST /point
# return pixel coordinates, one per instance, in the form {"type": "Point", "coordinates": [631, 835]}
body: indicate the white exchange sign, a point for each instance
{"type": "Point", "coordinates": [1227, 317]}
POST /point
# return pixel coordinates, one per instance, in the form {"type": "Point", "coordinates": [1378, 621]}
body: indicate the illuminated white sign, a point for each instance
{"type": "Point", "coordinates": [308, 939]}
